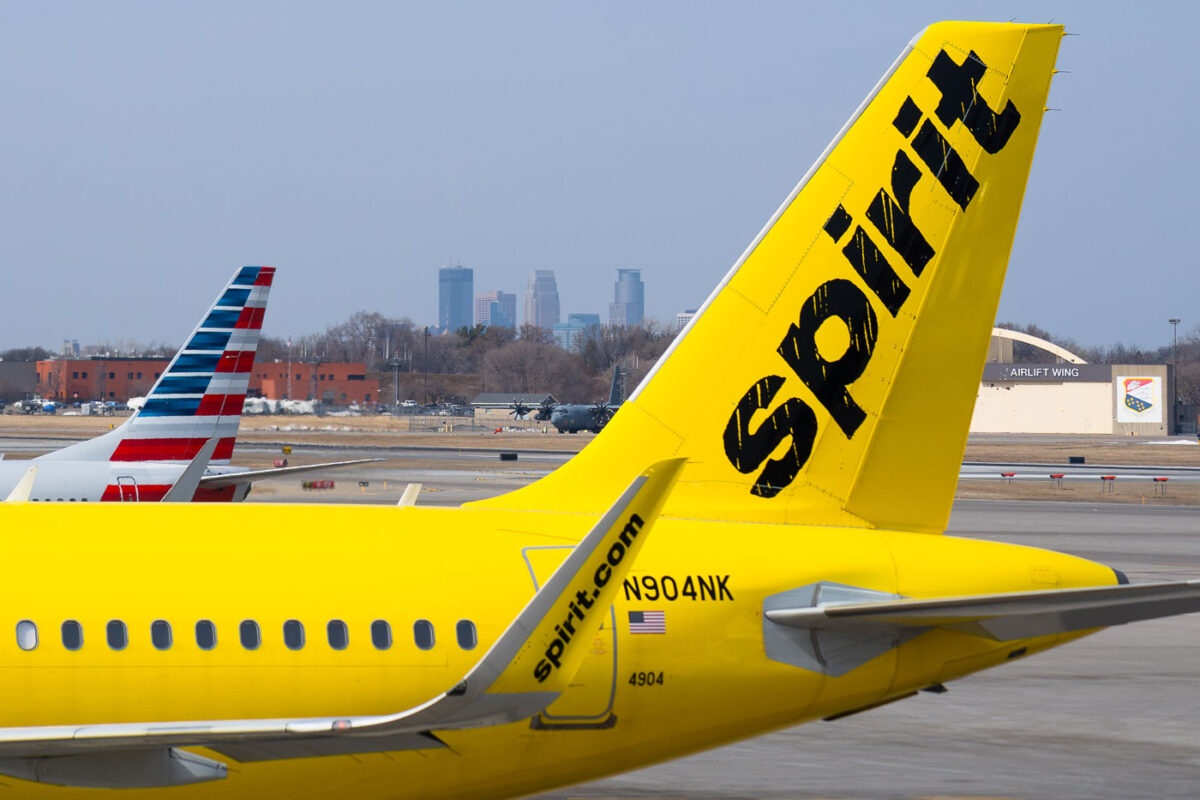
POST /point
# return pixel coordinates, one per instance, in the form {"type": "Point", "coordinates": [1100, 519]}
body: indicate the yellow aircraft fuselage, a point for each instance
{"type": "Point", "coordinates": [639, 698]}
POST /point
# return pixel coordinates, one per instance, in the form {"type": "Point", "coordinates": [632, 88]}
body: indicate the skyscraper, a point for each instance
{"type": "Point", "coordinates": [567, 333]}
{"type": "Point", "coordinates": [541, 299]}
{"type": "Point", "coordinates": [456, 288]}
{"type": "Point", "coordinates": [683, 318]}
{"type": "Point", "coordinates": [629, 299]}
{"type": "Point", "coordinates": [496, 309]}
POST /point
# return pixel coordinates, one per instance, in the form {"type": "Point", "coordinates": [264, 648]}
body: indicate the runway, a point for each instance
{"type": "Point", "coordinates": [1114, 715]}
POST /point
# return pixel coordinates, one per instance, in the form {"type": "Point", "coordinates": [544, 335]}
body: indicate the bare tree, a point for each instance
{"type": "Point", "coordinates": [25, 354]}
{"type": "Point", "coordinates": [532, 333]}
{"type": "Point", "coordinates": [527, 366]}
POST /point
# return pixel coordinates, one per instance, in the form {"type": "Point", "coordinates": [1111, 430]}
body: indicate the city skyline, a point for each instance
{"type": "Point", "coordinates": [541, 303]}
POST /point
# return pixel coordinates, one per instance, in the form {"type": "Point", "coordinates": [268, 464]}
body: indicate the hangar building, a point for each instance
{"type": "Point", "coordinates": [1064, 394]}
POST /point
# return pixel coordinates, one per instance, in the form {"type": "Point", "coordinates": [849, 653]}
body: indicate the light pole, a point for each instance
{"type": "Point", "coordinates": [425, 364]}
{"type": "Point", "coordinates": [1174, 373]}
{"type": "Point", "coordinates": [394, 363]}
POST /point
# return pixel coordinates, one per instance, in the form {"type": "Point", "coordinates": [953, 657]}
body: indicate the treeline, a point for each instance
{"type": "Point", "coordinates": [25, 354]}
{"type": "Point", "coordinates": [527, 359]}
{"type": "Point", "coordinates": [478, 359]}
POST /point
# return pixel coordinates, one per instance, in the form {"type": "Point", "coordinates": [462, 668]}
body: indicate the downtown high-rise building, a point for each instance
{"type": "Point", "coordinates": [456, 291]}
{"type": "Point", "coordinates": [541, 299]}
{"type": "Point", "coordinates": [629, 299]}
{"type": "Point", "coordinates": [496, 309]}
{"type": "Point", "coordinates": [568, 333]}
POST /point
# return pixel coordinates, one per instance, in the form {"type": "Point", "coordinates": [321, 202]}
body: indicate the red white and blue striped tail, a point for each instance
{"type": "Point", "coordinates": [200, 394]}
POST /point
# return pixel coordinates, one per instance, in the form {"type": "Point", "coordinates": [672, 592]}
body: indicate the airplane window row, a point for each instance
{"type": "Point", "coordinates": [337, 633]}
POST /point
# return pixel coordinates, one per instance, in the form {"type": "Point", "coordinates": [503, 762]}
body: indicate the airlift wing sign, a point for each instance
{"type": "Point", "coordinates": [886, 246]}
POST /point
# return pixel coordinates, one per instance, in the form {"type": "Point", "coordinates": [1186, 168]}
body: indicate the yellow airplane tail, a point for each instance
{"type": "Point", "coordinates": [831, 376]}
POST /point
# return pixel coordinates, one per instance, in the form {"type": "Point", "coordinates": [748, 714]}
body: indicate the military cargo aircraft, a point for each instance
{"type": "Point", "coordinates": [190, 417]}
{"type": "Point", "coordinates": [775, 555]}
{"type": "Point", "coordinates": [576, 417]}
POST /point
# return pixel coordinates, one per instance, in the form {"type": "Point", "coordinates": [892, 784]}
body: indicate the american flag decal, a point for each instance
{"type": "Point", "coordinates": [647, 622]}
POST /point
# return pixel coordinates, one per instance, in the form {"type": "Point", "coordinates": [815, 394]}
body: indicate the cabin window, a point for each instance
{"type": "Point", "coordinates": [160, 634]}
{"type": "Point", "coordinates": [72, 635]}
{"type": "Point", "coordinates": [339, 635]}
{"type": "Point", "coordinates": [293, 634]}
{"type": "Point", "coordinates": [251, 635]}
{"type": "Point", "coordinates": [118, 634]}
{"type": "Point", "coordinates": [465, 631]}
{"type": "Point", "coordinates": [206, 635]}
{"type": "Point", "coordinates": [26, 635]}
{"type": "Point", "coordinates": [381, 634]}
{"type": "Point", "coordinates": [423, 633]}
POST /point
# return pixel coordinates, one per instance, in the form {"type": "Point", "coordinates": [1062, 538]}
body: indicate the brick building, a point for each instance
{"type": "Point", "coordinates": [117, 379]}
{"type": "Point", "coordinates": [332, 383]}
{"type": "Point", "coordinates": [18, 380]}
{"type": "Point", "coordinates": [68, 380]}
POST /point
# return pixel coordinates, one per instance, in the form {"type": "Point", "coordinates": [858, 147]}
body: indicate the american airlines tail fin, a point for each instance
{"type": "Point", "coordinates": [200, 394]}
{"type": "Point", "coordinates": [831, 376]}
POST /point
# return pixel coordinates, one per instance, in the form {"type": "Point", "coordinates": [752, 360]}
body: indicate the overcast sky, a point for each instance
{"type": "Point", "coordinates": [151, 148]}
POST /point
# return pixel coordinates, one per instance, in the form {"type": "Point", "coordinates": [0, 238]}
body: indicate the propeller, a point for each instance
{"type": "Point", "coordinates": [545, 411]}
{"type": "Point", "coordinates": [602, 413]}
{"type": "Point", "coordinates": [519, 409]}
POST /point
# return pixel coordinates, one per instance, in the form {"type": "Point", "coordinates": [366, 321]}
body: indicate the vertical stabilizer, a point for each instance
{"type": "Point", "coordinates": [831, 377]}
{"type": "Point", "coordinates": [200, 394]}
{"type": "Point", "coordinates": [616, 391]}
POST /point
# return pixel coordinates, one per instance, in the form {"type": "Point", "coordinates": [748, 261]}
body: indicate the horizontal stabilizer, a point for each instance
{"type": "Point", "coordinates": [411, 493]}
{"type": "Point", "coordinates": [24, 488]}
{"type": "Point", "coordinates": [1005, 617]}
{"type": "Point", "coordinates": [221, 479]}
{"type": "Point", "coordinates": [184, 489]}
